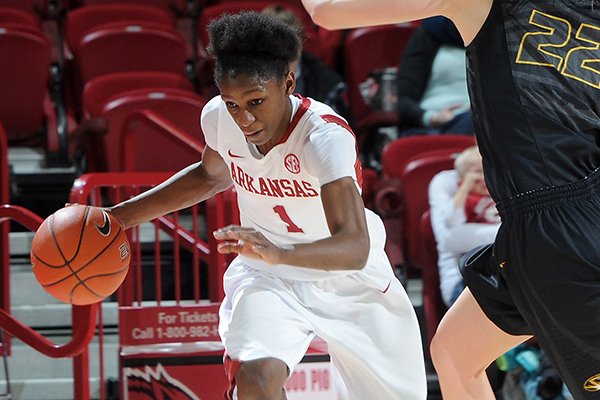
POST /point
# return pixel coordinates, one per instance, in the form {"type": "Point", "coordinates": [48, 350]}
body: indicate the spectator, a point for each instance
{"type": "Point", "coordinates": [432, 82]}
{"type": "Point", "coordinates": [463, 216]}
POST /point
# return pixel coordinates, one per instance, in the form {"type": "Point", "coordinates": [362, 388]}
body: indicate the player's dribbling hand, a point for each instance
{"type": "Point", "coordinates": [247, 242]}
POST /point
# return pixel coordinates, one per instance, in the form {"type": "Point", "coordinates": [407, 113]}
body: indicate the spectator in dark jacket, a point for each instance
{"type": "Point", "coordinates": [432, 84]}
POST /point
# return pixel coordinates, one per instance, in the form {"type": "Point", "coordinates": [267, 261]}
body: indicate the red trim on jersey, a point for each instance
{"type": "Point", "coordinates": [334, 119]}
{"type": "Point", "coordinates": [299, 113]}
{"type": "Point", "coordinates": [231, 367]}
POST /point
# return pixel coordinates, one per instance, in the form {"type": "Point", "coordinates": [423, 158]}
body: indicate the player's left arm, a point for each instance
{"type": "Point", "coordinates": [340, 14]}
{"type": "Point", "coordinates": [346, 249]}
{"type": "Point", "coordinates": [467, 15]}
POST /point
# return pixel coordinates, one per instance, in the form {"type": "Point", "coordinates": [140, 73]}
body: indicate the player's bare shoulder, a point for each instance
{"type": "Point", "coordinates": [469, 16]}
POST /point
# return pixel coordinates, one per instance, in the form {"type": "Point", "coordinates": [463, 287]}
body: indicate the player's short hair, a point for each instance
{"type": "Point", "coordinates": [252, 43]}
{"type": "Point", "coordinates": [466, 159]}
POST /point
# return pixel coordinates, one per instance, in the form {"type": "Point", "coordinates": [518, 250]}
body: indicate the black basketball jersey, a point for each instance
{"type": "Point", "coordinates": [534, 81]}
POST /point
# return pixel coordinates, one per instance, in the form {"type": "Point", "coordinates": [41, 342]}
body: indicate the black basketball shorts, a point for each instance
{"type": "Point", "coordinates": [542, 277]}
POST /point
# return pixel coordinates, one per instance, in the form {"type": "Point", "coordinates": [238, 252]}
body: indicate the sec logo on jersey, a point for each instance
{"type": "Point", "coordinates": [292, 163]}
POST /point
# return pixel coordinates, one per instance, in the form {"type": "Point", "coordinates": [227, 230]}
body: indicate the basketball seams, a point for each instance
{"type": "Point", "coordinates": [93, 292]}
{"type": "Point", "coordinates": [91, 275]}
{"type": "Point", "coordinates": [75, 272]}
{"type": "Point", "coordinates": [68, 262]}
{"type": "Point", "coordinates": [55, 240]}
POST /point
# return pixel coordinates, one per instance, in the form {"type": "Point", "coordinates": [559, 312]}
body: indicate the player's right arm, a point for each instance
{"type": "Point", "coordinates": [187, 187]}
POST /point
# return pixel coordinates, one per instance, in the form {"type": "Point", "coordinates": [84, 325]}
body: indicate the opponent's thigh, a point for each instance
{"type": "Point", "coordinates": [466, 343]}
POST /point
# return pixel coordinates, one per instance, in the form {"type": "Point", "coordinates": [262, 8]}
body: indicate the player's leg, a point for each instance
{"type": "Point", "coordinates": [465, 344]}
{"type": "Point", "coordinates": [373, 338]}
{"type": "Point", "coordinates": [261, 379]}
{"type": "Point", "coordinates": [264, 334]}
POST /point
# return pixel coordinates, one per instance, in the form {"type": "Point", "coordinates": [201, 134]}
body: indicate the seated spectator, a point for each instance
{"type": "Point", "coordinates": [432, 83]}
{"type": "Point", "coordinates": [463, 216]}
{"type": "Point", "coordinates": [314, 78]}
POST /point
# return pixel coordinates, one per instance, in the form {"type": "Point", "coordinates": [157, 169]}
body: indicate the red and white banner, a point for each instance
{"type": "Point", "coordinates": [203, 378]}
{"type": "Point", "coordinates": [168, 324]}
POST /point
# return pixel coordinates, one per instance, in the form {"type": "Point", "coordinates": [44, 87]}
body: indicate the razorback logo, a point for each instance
{"type": "Point", "coordinates": [156, 384]}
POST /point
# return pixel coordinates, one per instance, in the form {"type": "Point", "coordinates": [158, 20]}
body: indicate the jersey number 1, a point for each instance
{"type": "Point", "coordinates": [291, 226]}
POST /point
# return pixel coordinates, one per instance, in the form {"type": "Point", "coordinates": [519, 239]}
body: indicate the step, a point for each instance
{"type": "Point", "coordinates": [58, 315]}
{"type": "Point", "coordinates": [25, 289]}
{"type": "Point", "coordinates": [20, 242]}
{"type": "Point", "coordinates": [27, 363]}
{"type": "Point", "coordinates": [34, 376]}
{"type": "Point", "coordinates": [48, 389]}
{"type": "Point", "coordinates": [20, 245]}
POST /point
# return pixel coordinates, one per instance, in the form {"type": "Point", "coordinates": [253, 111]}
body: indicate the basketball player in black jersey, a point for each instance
{"type": "Point", "coordinates": [534, 79]}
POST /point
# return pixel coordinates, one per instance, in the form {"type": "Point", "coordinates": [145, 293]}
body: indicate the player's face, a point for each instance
{"type": "Point", "coordinates": [261, 108]}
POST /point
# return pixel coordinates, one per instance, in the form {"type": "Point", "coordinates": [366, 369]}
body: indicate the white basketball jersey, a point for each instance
{"type": "Point", "coordinates": [279, 193]}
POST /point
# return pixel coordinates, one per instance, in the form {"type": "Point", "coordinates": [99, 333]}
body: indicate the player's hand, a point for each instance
{"type": "Point", "coordinates": [247, 242]}
{"type": "Point", "coordinates": [444, 115]}
{"type": "Point", "coordinates": [472, 178]}
{"type": "Point", "coordinates": [474, 182]}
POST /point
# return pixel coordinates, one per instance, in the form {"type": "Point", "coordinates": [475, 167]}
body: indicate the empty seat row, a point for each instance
{"type": "Point", "coordinates": [167, 99]}
{"type": "Point", "coordinates": [101, 39]}
{"type": "Point", "coordinates": [25, 106]}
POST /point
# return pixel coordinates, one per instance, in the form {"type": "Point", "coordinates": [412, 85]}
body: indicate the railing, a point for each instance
{"type": "Point", "coordinates": [4, 226]}
{"type": "Point", "coordinates": [98, 189]}
{"type": "Point", "coordinates": [159, 248]}
{"type": "Point", "coordinates": [183, 148]}
{"type": "Point", "coordinates": [83, 317]}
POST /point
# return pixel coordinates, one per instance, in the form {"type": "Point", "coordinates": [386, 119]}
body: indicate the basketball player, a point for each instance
{"type": "Point", "coordinates": [534, 77]}
{"type": "Point", "coordinates": [311, 259]}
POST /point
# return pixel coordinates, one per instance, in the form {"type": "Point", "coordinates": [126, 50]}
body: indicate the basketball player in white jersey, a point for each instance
{"type": "Point", "coordinates": [311, 259]}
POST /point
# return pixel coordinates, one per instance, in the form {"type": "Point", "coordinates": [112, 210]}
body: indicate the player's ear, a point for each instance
{"type": "Point", "coordinates": [290, 82]}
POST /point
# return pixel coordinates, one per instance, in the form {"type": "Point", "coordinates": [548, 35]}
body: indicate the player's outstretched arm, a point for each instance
{"type": "Point", "coordinates": [340, 14]}
{"type": "Point", "coordinates": [346, 249]}
{"type": "Point", "coordinates": [187, 187]}
{"type": "Point", "coordinates": [467, 15]}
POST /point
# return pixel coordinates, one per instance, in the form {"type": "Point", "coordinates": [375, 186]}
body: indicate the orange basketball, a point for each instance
{"type": "Point", "coordinates": [80, 254]}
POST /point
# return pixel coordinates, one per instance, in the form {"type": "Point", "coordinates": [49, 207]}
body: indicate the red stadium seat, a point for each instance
{"type": "Point", "coordinates": [176, 6]}
{"type": "Point", "coordinates": [18, 17]}
{"type": "Point", "coordinates": [368, 49]}
{"type": "Point", "coordinates": [433, 304]}
{"type": "Point", "coordinates": [415, 178]}
{"type": "Point", "coordinates": [25, 107]}
{"type": "Point", "coordinates": [123, 46]}
{"type": "Point", "coordinates": [408, 164]}
{"type": "Point", "coordinates": [179, 108]}
{"type": "Point", "coordinates": [43, 9]}
{"type": "Point", "coordinates": [231, 7]}
{"type": "Point", "coordinates": [32, 6]}
{"type": "Point", "coordinates": [396, 153]}
{"type": "Point", "coordinates": [98, 90]}
{"type": "Point", "coordinates": [83, 20]}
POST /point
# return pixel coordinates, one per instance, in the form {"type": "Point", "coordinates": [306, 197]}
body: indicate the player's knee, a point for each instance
{"type": "Point", "coordinates": [261, 379]}
{"type": "Point", "coordinates": [440, 353]}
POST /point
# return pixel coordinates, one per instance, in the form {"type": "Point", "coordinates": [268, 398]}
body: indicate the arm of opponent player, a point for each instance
{"type": "Point", "coordinates": [346, 249]}
{"type": "Point", "coordinates": [187, 187]}
{"type": "Point", "coordinates": [467, 15]}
